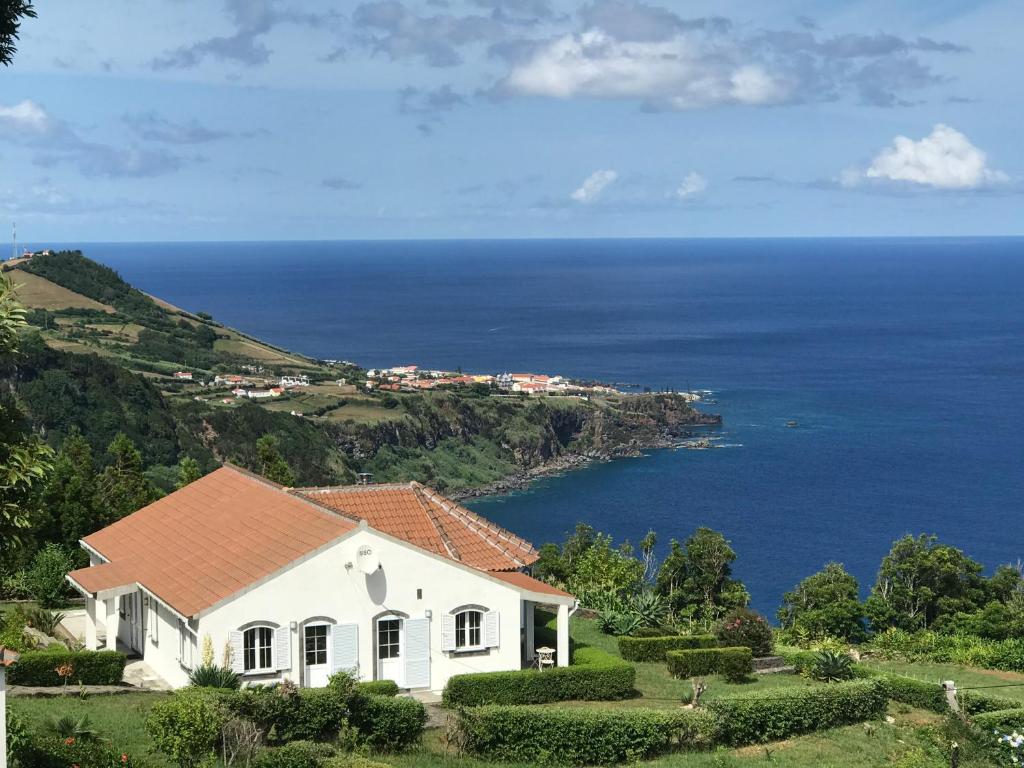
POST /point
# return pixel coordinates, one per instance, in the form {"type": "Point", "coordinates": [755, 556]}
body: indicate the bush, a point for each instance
{"type": "Point", "coordinates": [1002, 720]}
{"type": "Point", "coordinates": [45, 580]}
{"type": "Point", "coordinates": [580, 736]}
{"type": "Point", "coordinates": [832, 667]}
{"type": "Point", "coordinates": [378, 687]}
{"type": "Point", "coordinates": [297, 754]}
{"type": "Point", "coordinates": [86, 667]}
{"type": "Point", "coordinates": [735, 664]}
{"type": "Point", "coordinates": [801, 661]}
{"type": "Point", "coordinates": [213, 676]}
{"type": "Point", "coordinates": [12, 631]}
{"type": "Point", "coordinates": [743, 627]}
{"type": "Point", "coordinates": [287, 713]}
{"type": "Point", "coordinates": [772, 715]}
{"type": "Point", "coordinates": [906, 690]}
{"type": "Point", "coordinates": [654, 648]}
{"type": "Point", "coordinates": [386, 723]}
{"type": "Point", "coordinates": [594, 676]}
{"type": "Point", "coordinates": [187, 726]}
{"type": "Point", "coordinates": [57, 753]}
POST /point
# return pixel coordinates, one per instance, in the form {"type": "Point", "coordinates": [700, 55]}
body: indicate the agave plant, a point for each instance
{"type": "Point", "coordinates": [618, 623]}
{"type": "Point", "coordinates": [43, 619]}
{"type": "Point", "coordinates": [74, 728]}
{"type": "Point", "coordinates": [212, 676]}
{"type": "Point", "coordinates": [832, 667]}
{"type": "Point", "coordinates": [649, 607]}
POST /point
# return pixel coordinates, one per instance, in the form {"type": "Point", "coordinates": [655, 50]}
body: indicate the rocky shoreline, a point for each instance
{"type": "Point", "coordinates": [671, 437]}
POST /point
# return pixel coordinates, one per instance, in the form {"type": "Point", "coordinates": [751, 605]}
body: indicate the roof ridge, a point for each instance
{"type": "Point", "coordinates": [353, 488]}
{"type": "Point", "coordinates": [417, 492]}
{"type": "Point", "coordinates": [252, 475]}
{"type": "Point", "coordinates": [482, 527]}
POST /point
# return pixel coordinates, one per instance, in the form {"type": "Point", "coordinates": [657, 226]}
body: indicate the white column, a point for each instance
{"type": "Point", "coordinates": [3, 716]}
{"type": "Point", "coordinates": [528, 619]}
{"type": "Point", "coordinates": [562, 657]}
{"type": "Point", "coordinates": [90, 624]}
{"type": "Point", "coordinates": [110, 605]}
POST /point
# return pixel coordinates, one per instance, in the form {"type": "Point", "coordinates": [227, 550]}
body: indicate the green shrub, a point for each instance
{"type": "Point", "coordinates": [297, 754]}
{"type": "Point", "coordinates": [832, 667]}
{"type": "Point", "coordinates": [743, 627]}
{"type": "Point", "coordinates": [213, 676]}
{"type": "Point", "coordinates": [580, 736]}
{"type": "Point", "coordinates": [1002, 720]}
{"type": "Point", "coordinates": [654, 648]}
{"type": "Point", "coordinates": [801, 661]}
{"type": "Point", "coordinates": [287, 713]}
{"type": "Point", "coordinates": [45, 580]}
{"type": "Point", "coordinates": [763, 716]}
{"type": "Point", "coordinates": [654, 632]}
{"type": "Point", "coordinates": [350, 760]}
{"type": "Point", "coordinates": [186, 727]}
{"type": "Point", "coordinates": [594, 676]}
{"type": "Point", "coordinates": [12, 631]}
{"type": "Point", "coordinates": [43, 619]}
{"type": "Point", "coordinates": [735, 664]}
{"type": "Point", "coordinates": [378, 687]}
{"type": "Point", "coordinates": [387, 723]}
{"type": "Point", "coordinates": [87, 667]}
{"type": "Point", "coordinates": [58, 753]}
{"type": "Point", "coordinates": [975, 703]}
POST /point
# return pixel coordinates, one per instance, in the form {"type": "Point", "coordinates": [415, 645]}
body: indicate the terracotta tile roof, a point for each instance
{"type": "Point", "coordinates": [423, 517]}
{"type": "Point", "coordinates": [205, 542]}
{"type": "Point", "coordinates": [522, 581]}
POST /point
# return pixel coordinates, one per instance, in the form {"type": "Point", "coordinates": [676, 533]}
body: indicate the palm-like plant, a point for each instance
{"type": "Point", "coordinates": [43, 619]}
{"type": "Point", "coordinates": [75, 728]}
{"type": "Point", "coordinates": [212, 676]}
{"type": "Point", "coordinates": [832, 667]}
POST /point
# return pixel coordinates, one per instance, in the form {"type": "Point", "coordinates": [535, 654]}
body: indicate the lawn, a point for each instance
{"type": "Point", "coordinates": [1010, 684]}
{"type": "Point", "coordinates": [119, 718]}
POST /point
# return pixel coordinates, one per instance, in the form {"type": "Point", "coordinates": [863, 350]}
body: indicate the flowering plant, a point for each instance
{"type": "Point", "coordinates": [1011, 747]}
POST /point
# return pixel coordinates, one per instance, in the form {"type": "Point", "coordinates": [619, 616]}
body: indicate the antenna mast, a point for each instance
{"type": "Point", "coordinates": [14, 239]}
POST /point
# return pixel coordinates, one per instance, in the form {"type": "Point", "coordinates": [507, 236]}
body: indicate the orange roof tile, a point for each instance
{"type": "Point", "coordinates": [522, 581]}
{"type": "Point", "coordinates": [205, 542]}
{"type": "Point", "coordinates": [423, 517]}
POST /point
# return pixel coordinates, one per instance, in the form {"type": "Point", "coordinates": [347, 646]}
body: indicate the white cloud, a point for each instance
{"type": "Point", "coordinates": [594, 185]}
{"type": "Point", "coordinates": [681, 73]}
{"type": "Point", "coordinates": [25, 117]}
{"type": "Point", "coordinates": [945, 159]}
{"type": "Point", "coordinates": [693, 184]}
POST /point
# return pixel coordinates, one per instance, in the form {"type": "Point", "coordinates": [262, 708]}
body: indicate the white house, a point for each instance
{"type": "Point", "coordinates": [390, 581]}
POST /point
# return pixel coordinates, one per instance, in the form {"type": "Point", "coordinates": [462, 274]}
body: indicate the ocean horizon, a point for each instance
{"type": "Point", "coordinates": [901, 360]}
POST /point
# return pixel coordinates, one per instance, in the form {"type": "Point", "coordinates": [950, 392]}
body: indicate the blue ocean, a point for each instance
{"type": "Point", "coordinates": [900, 360]}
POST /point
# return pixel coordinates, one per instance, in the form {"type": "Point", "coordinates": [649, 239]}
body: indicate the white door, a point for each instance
{"type": "Point", "coordinates": [316, 649]}
{"type": "Point", "coordinates": [136, 628]}
{"type": "Point", "coordinates": [390, 649]}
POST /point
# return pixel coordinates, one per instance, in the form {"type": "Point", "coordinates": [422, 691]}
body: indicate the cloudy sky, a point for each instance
{"type": "Point", "coordinates": [311, 119]}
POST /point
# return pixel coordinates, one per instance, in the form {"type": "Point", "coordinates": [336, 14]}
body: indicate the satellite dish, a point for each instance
{"type": "Point", "coordinates": [367, 560]}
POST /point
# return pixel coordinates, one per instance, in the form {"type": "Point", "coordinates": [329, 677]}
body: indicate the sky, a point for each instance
{"type": "Point", "coordinates": [148, 120]}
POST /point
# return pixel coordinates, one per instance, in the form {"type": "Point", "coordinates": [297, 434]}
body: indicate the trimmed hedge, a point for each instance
{"type": "Point", "coordinates": [580, 736]}
{"type": "Point", "coordinates": [1002, 720]}
{"type": "Point", "coordinates": [306, 714]}
{"type": "Point", "coordinates": [87, 667]}
{"type": "Point", "coordinates": [655, 648]}
{"type": "Point", "coordinates": [386, 723]}
{"type": "Point", "coordinates": [732, 663]}
{"type": "Point", "coordinates": [773, 715]}
{"type": "Point", "coordinates": [931, 696]}
{"type": "Point", "coordinates": [594, 676]}
{"type": "Point", "coordinates": [297, 754]}
{"type": "Point", "coordinates": [378, 687]}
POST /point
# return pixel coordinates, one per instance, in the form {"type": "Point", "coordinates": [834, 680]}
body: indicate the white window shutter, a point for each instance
{"type": "Point", "coordinates": [417, 653]}
{"type": "Point", "coordinates": [345, 648]}
{"type": "Point", "coordinates": [492, 629]}
{"type": "Point", "coordinates": [237, 653]}
{"type": "Point", "coordinates": [447, 632]}
{"type": "Point", "coordinates": [283, 648]}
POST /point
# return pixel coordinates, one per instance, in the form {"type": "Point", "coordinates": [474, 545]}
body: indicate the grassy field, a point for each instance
{"type": "Point", "coordinates": [119, 719]}
{"type": "Point", "coordinates": [40, 293]}
{"type": "Point", "coordinates": [1010, 684]}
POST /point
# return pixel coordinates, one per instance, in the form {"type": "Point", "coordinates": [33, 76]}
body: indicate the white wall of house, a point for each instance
{"type": "Point", "coordinates": [410, 583]}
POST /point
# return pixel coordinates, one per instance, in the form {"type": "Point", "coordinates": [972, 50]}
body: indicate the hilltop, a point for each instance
{"type": "Point", "coordinates": [103, 357]}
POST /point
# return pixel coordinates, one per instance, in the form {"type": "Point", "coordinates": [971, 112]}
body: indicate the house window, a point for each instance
{"type": "Point", "coordinates": [468, 629]}
{"type": "Point", "coordinates": [388, 638]}
{"type": "Point", "coordinates": [316, 645]}
{"type": "Point", "coordinates": [258, 649]}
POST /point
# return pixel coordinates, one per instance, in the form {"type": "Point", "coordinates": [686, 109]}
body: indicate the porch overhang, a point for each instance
{"type": "Point", "coordinates": [533, 589]}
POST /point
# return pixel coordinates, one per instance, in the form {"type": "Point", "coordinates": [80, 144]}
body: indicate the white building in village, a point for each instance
{"type": "Point", "coordinates": [389, 581]}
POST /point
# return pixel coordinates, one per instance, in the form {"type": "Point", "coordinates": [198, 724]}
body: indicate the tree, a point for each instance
{"type": "Point", "coordinates": [921, 583]}
{"type": "Point", "coordinates": [24, 458]}
{"type": "Point", "coordinates": [122, 487]}
{"type": "Point", "coordinates": [45, 578]}
{"type": "Point", "coordinates": [604, 572]}
{"type": "Point", "coordinates": [69, 497]}
{"type": "Point", "coordinates": [272, 464]}
{"type": "Point", "coordinates": [11, 14]}
{"type": "Point", "coordinates": [696, 577]}
{"type": "Point", "coordinates": [188, 471]}
{"type": "Point", "coordinates": [826, 603]}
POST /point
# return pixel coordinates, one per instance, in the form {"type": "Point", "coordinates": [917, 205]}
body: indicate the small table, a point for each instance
{"type": "Point", "coordinates": [545, 657]}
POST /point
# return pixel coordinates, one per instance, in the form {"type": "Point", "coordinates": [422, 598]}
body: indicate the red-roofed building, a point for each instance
{"type": "Point", "coordinates": [390, 581]}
